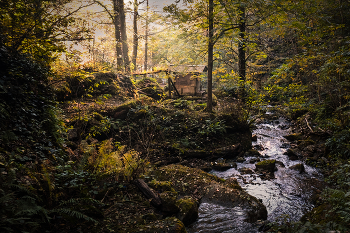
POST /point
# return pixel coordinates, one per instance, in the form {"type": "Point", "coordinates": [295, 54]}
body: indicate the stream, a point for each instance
{"type": "Point", "coordinates": [286, 197]}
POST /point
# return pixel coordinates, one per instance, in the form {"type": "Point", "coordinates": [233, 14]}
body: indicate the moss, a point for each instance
{"type": "Point", "coordinates": [161, 186]}
{"type": "Point", "coordinates": [172, 224]}
{"type": "Point", "coordinates": [266, 162]}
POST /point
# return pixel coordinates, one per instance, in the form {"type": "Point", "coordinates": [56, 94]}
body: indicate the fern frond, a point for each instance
{"type": "Point", "coordinates": [73, 214]}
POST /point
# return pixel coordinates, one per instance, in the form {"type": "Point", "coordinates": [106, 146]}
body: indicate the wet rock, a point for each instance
{"type": "Point", "coordinates": [240, 160]}
{"type": "Point", "coordinates": [169, 202]}
{"type": "Point", "coordinates": [245, 170]}
{"type": "Point", "coordinates": [223, 166]}
{"type": "Point", "coordinates": [254, 160]}
{"type": "Point", "coordinates": [292, 154]}
{"type": "Point", "coordinates": [188, 210]}
{"type": "Point", "coordinates": [285, 145]}
{"type": "Point", "coordinates": [259, 147]}
{"type": "Point", "coordinates": [255, 138]}
{"type": "Point", "coordinates": [293, 137]}
{"type": "Point", "coordinates": [266, 166]}
{"type": "Point", "coordinates": [280, 163]}
{"type": "Point", "coordinates": [298, 167]}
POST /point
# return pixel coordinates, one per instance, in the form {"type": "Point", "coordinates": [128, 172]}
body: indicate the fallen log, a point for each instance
{"type": "Point", "coordinates": [155, 200]}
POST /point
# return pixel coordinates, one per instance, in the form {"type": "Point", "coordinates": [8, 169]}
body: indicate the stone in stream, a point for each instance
{"type": "Point", "coordinates": [266, 166]}
{"type": "Point", "coordinates": [298, 167]}
{"type": "Point", "coordinates": [255, 138]}
{"type": "Point", "coordinates": [245, 170]}
{"type": "Point", "coordinates": [223, 166]}
{"type": "Point", "coordinates": [254, 160]}
{"type": "Point", "coordinates": [292, 154]}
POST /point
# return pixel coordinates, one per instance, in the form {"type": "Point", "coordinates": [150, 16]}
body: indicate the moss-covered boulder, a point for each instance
{"type": "Point", "coordinates": [266, 165]}
{"type": "Point", "coordinates": [206, 187]}
{"type": "Point", "coordinates": [169, 202]}
{"type": "Point", "coordinates": [223, 166]}
{"type": "Point", "coordinates": [188, 210]}
{"type": "Point", "coordinates": [150, 87]}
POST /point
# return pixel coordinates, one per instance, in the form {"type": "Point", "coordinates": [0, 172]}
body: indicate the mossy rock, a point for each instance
{"type": "Point", "coordinates": [266, 165]}
{"type": "Point", "coordinates": [150, 87]}
{"type": "Point", "coordinates": [203, 186]}
{"type": "Point", "coordinates": [188, 210]}
{"type": "Point", "coordinates": [169, 202]}
{"type": "Point", "coordinates": [168, 225]}
{"type": "Point", "coordinates": [161, 186]}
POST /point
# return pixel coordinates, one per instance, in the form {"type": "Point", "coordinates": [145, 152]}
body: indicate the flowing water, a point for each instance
{"type": "Point", "coordinates": [286, 197]}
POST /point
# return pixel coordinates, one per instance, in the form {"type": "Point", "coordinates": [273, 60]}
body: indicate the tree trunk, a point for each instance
{"type": "Point", "coordinates": [146, 41]}
{"type": "Point", "coordinates": [118, 48]}
{"type": "Point", "coordinates": [241, 50]}
{"type": "Point", "coordinates": [135, 39]}
{"type": "Point", "coordinates": [124, 38]}
{"type": "Point", "coordinates": [210, 57]}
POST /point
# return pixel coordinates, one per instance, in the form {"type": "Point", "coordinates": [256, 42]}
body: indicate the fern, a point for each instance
{"type": "Point", "coordinates": [73, 214]}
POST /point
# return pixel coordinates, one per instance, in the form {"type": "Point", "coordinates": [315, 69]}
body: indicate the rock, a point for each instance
{"type": "Point", "coordinates": [280, 163]}
{"type": "Point", "coordinates": [266, 165]}
{"type": "Point", "coordinates": [259, 147]}
{"type": "Point", "coordinates": [169, 202]}
{"type": "Point", "coordinates": [254, 160]}
{"type": "Point", "coordinates": [255, 138]}
{"type": "Point", "coordinates": [245, 170]}
{"type": "Point", "coordinates": [252, 152]}
{"type": "Point", "coordinates": [240, 160]}
{"type": "Point", "coordinates": [291, 153]}
{"type": "Point", "coordinates": [188, 210]}
{"type": "Point", "coordinates": [298, 167]}
{"type": "Point", "coordinates": [168, 225]}
{"type": "Point", "coordinates": [304, 143]}
{"type": "Point", "coordinates": [223, 166]}
{"type": "Point", "coordinates": [293, 137]}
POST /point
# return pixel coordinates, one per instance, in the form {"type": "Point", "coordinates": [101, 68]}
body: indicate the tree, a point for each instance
{"type": "Point", "coordinates": [39, 28]}
{"type": "Point", "coordinates": [210, 55]}
{"type": "Point", "coordinates": [118, 19]}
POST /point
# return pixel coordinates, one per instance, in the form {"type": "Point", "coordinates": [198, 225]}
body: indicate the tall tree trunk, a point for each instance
{"type": "Point", "coordinates": [210, 56]}
{"type": "Point", "coordinates": [135, 39]}
{"type": "Point", "coordinates": [124, 38]}
{"type": "Point", "coordinates": [146, 40]}
{"type": "Point", "coordinates": [241, 50]}
{"type": "Point", "coordinates": [118, 47]}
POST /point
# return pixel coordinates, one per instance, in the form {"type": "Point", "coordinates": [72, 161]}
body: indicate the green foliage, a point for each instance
{"type": "Point", "coordinates": [28, 118]}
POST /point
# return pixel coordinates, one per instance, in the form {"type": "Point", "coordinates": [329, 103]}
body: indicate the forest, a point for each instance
{"type": "Point", "coordinates": [174, 116]}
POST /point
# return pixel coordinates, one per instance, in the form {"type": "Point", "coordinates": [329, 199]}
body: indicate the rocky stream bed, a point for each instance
{"type": "Point", "coordinates": [288, 189]}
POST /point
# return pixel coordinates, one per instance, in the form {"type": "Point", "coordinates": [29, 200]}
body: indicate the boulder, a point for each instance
{"type": "Point", "coordinates": [254, 160]}
{"type": "Point", "coordinates": [240, 160]}
{"type": "Point", "coordinates": [188, 210]}
{"type": "Point", "coordinates": [255, 138]}
{"type": "Point", "coordinates": [292, 154]}
{"type": "Point", "coordinates": [169, 202]}
{"type": "Point", "coordinates": [245, 170]}
{"type": "Point", "coordinates": [298, 167]}
{"type": "Point", "coordinates": [266, 166]}
{"type": "Point", "coordinates": [223, 166]}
